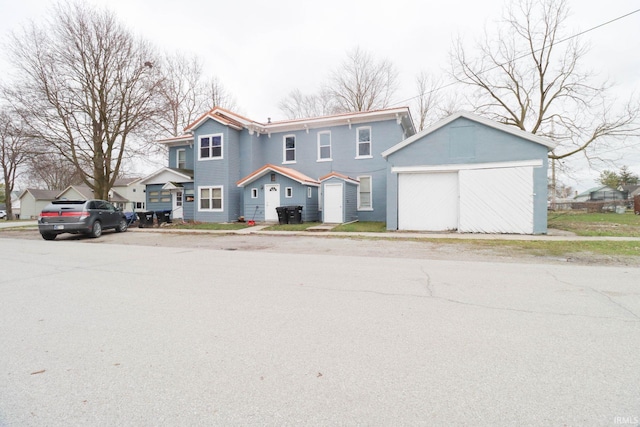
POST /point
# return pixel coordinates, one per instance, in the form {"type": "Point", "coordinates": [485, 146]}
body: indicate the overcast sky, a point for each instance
{"type": "Point", "coordinates": [262, 50]}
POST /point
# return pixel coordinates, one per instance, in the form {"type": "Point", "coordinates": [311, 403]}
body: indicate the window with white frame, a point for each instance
{"type": "Point", "coordinates": [324, 146]}
{"type": "Point", "coordinates": [289, 149]}
{"type": "Point", "coordinates": [363, 142]}
{"type": "Point", "coordinates": [254, 193]}
{"type": "Point", "coordinates": [210, 147]}
{"type": "Point", "coordinates": [181, 158]}
{"type": "Point", "coordinates": [364, 194]}
{"type": "Point", "coordinates": [178, 198]}
{"type": "Point", "coordinates": [309, 192]}
{"type": "Point", "coordinates": [288, 192]}
{"type": "Point", "coordinates": [210, 198]}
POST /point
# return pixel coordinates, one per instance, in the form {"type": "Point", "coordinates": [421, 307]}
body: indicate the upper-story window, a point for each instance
{"type": "Point", "coordinates": [210, 147]}
{"type": "Point", "coordinates": [324, 145]}
{"type": "Point", "coordinates": [363, 143]}
{"type": "Point", "coordinates": [289, 148]}
{"type": "Point", "coordinates": [181, 158]}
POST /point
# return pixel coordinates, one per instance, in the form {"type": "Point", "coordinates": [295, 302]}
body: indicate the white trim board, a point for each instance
{"type": "Point", "coordinates": [465, 166]}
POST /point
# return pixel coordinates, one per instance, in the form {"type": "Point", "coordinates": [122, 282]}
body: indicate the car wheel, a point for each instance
{"type": "Point", "coordinates": [96, 229]}
{"type": "Point", "coordinates": [122, 226]}
{"type": "Point", "coordinates": [48, 236]}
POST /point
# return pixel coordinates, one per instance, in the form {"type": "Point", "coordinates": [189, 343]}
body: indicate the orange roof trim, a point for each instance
{"type": "Point", "coordinates": [288, 172]}
{"type": "Point", "coordinates": [339, 175]}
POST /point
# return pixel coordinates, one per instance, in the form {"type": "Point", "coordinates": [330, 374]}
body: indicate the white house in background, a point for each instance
{"type": "Point", "coordinates": [127, 193]}
{"type": "Point", "coordinates": [33, 200]}
{"type": "Point", "coordinates": [132, 191]}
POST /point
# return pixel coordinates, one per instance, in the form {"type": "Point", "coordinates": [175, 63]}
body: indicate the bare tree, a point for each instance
{"type": "Point", "coordinates": [179, 97]}
{"type": "Point", "coordinates": [298, 105]}
{"type": "Point", "coordinates": [216, 95]}
{"type": "Point", "coordinates": [15, 149]}
{"type": "Point", "coordinates": [428, 99]}
{"type": "Point", "coordinates": [184, 94]}
{"type": "Point", "coordinates": [530, 76]}
{"type": "Point", "coordinates": [52, 170]}
{"type": "Point", "coordinates": [363, 83]}
{"type": "Point", "coordinates": [85, 86]}
{"type": "Point", "coordinates": [360, 83]}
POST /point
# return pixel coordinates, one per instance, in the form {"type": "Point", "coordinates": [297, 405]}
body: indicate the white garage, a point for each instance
{"type": "Point", "coordinates": [469, 174]}
{"type": "Point", "coordinates": [491, 198]}
{"type": "Point", "coordinates": [428, 201]}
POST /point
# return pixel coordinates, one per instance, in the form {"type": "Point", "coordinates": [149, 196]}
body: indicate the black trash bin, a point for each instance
{"type": "Point", "coordinates": [282, 215]}
{"type": "Point", "coordinates": [163, 216]}
{"type": "Point", "coordinates": [146, 219]}
{"type": "Point", "coordinates": [294, 214]}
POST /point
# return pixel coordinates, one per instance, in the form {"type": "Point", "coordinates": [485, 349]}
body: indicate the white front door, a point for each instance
{"type": "Point", "coordinates": [333, 212]}
{"type": "Point", "coordinates": [177, 199]}
{"type": "Point", "coordinates": [271, 201]}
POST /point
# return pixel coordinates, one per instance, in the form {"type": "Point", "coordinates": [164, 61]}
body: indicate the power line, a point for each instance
{"type": "Point", "coordinates": [523, 55]}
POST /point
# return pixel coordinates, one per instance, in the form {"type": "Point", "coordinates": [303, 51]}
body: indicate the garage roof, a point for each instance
{"type": "Point", "coordinates": [475, 118]}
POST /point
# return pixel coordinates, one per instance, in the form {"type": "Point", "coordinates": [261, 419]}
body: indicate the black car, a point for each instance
{"type": "Point", "coordinates": [88, 217]}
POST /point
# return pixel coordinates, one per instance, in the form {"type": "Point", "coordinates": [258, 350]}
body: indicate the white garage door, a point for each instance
{"type": "Point", "coordinates": [496, 200]}
{"type": "Point", "coordinates": [428, 201]}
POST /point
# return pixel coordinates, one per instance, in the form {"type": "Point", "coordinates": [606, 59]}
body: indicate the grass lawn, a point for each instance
{"type": "Point", "coordinates": [209, 226]}
{"type": "Point", "coordinates": [596, 224]}
{"type": "Point", "coordinates": [560, 248]}
{"type": "Point", "coordinates": [363, 227]}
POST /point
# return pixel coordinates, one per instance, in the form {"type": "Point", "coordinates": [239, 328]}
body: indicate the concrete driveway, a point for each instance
{"type": "Point", "coordinates": [108, 334]}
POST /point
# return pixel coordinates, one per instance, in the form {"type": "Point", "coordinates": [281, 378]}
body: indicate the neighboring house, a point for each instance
{"type": "Point", "coordinates": [600, 194]}
{"type": "Point", "coordinates": [631, 190]}
{"type": "Point", "coordinates": [33, 200]}
{"type": "Point", "coordinates": [84, 192]}
{"type": "Point", "coordinates": [76, 192]}
{"type": "Point", "coordinates": [470, 174]}
{"type": "Point", "coordinates": [132, 191]}
{"type": "Point", "coordinates": [465, 173]}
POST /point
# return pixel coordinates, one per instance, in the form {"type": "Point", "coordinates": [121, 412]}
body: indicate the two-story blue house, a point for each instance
{"type": "Point", "coordinates": [227, 166]}
{"type": "Point", "coordinates": [464, 173]}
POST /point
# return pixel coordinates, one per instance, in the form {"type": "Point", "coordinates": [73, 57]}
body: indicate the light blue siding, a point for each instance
{"type": "Point", "coordinates": [223, 172]}
{"type": "Point", "coordinates": [157, 205]}
{"type": "Point", "coordinates": [384, 135]}
{"type": "Point", "coordinates": [245, 152]}
{"type": "Point", "coordinates": [464, 141]}
{"type": "Point", "coordinates": [173, 156]}
{"type": "Point", "coordinates": [254, 207]}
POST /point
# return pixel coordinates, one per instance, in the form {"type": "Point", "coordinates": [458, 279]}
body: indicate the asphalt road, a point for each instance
{"type": "Point", "coordinates": [107, 334]}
